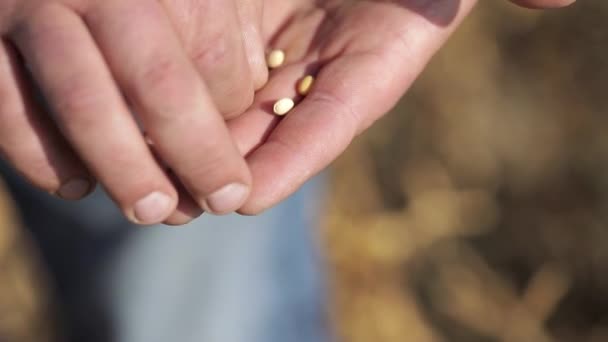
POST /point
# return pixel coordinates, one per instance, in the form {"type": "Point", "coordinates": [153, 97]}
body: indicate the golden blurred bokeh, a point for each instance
{"type": "Point", "coordinates": [25, 314]}
{"type": "Point", "coordinates": [476, 210]}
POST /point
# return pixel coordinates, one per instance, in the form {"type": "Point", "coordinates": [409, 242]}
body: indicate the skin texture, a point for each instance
{"type": "Point", "coordinates": [185, 66]}
{"type": "Point", "coordinates": [183, 81]}
{"type": "Point", "coordinates": [363, 66]}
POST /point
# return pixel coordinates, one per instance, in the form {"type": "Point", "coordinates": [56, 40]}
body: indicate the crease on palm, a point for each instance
{"type": "Point", "coordinates": [338, 35]}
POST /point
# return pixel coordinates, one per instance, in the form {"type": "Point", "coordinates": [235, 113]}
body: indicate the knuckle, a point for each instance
{"type": "Point", "coordinates": [212, 166]}
{"type": "Point", "coordinates": [159, 73]}
{"type": "Point", "coordinates": [76, 100]}
{"type": "Point", "coordinates": [165, 88]}
{"type": "Point", "coordinates": [213, 52]}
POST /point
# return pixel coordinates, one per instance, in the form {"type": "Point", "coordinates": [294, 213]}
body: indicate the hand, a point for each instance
{"type": "Point", "coordinates": [365, 55]}
{"type": "Point", "coordinates": [85, 55]}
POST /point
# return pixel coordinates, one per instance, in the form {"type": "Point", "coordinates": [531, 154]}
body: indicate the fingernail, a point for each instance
{"type": "Point", "coordinates": [153, 208]}
{"type": "Point", "coordinates": [227, 199]}
{"type": "Point", "coordinates": [74, 189]}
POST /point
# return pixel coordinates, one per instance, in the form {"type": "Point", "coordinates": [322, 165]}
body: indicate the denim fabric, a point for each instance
{"type": "Point", "coordinates": [218, 279]}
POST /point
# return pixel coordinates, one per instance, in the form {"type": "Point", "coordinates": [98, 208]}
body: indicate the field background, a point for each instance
{"type": "Point", "coordinates": [476, 211]}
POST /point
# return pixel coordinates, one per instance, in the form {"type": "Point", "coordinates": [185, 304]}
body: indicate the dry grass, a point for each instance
{"type": "Point", "coordinates": [476, 211]}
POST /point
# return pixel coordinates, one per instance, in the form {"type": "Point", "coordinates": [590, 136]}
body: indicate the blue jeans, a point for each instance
{"type": "Point", "coordinates": [218, 279]}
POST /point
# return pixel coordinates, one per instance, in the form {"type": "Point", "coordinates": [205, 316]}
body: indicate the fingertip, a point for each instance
{"type": "Point", "coordinates": [177, 220]}
{"type": "Point", "coordinates": [277, 174]}
{"type": "Point", "coordinates": [187, 211]}
{"type": "Point", "coordinates": [226, 200]}
{"type": "Point", "coordinates": [251, 209]}
{"type": "Point", "coordinates": [544, 4]}
{"type": "Point", "coordinates": [153, 208]}
{"type": "Point", "coordinates": [257, 202]}
{"type": "Point", "coordinates": [75, 189]}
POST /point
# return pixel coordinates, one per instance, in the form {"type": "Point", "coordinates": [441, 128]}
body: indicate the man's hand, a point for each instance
{"type": "Point", "coordinates": [365, 55]}
{"type": "Point", "coordinates": [171, 61]}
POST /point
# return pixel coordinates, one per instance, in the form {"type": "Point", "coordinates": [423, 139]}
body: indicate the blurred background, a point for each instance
{"type": "Point", "coordinates": [476, 211]}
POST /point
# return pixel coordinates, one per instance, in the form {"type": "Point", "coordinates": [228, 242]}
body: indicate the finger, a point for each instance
{"type": "Point", "coordinates": [29, 140]}
{"type": "Point", "coordinates": [251, 14]}
{"type": "Point", "coordinates": [350, 93]}
{"type": "Point", "coordinates": [187, 208]}
{"type": "Point", "coordinates": [216, 46]}
{"type": "Point", "coordinates": [539, 4]}
{"type": "Point", "coordinates": [171, 101]}
{"type": "Point", "coordinates": [284, 152]}
{"type": "Point", "coordinates": [92, 115]}
{"type": "Point", "coordinates": [251, 129]}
